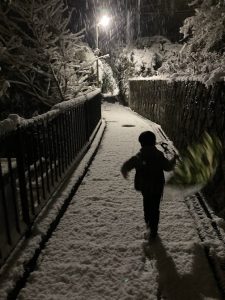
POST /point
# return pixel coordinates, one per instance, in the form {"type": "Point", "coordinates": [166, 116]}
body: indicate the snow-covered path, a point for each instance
{"type": "Point", "coordinates": [98, 251]}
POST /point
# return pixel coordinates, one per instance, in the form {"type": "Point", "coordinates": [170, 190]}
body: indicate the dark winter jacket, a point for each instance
{"type": "Point", "coordinates": [149, 164]}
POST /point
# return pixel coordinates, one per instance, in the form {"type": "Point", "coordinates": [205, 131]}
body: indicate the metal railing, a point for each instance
{"type": "Point", "coordinates": [34, 160]}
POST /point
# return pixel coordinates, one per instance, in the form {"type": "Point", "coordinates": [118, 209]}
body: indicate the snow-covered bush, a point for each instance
{"type": "Point", "coordinates": [142, 59]}
{"type": "Point", "coordinates": [108, 82]}
{"type": "Point", "coordinates": [123, 68]}
{"type": "Point", "coordinates": [41, 61]}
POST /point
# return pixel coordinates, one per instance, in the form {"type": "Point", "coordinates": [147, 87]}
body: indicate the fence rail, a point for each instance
{"type": "Point", "coordinates": [34, 160]}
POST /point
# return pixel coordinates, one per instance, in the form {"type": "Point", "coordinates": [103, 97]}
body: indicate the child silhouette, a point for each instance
{"type": "Point", "coordinates": [150, 164]}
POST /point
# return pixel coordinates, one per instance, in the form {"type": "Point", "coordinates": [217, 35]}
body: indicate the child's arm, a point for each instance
{"type": "Point", "coordinates": [128, 166]}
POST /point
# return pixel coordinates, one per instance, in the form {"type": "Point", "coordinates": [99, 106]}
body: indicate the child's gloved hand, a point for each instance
{"type": "Point", "coordinates": [176, 155]}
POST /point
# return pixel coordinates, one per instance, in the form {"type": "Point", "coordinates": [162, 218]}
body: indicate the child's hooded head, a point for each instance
{"type": "Point", "coordinates": [147, 138]}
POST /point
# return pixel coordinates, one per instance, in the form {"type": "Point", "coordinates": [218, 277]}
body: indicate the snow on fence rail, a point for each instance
{"type": "Point", "coordinates": [35, 157]}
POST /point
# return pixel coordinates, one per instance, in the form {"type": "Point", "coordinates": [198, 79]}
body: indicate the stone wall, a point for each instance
{"type": "Point", "coordinates": [185, 109]}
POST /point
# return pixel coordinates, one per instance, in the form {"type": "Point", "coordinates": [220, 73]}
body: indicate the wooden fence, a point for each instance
{"type": "Point", "coordinates": [185, 109]}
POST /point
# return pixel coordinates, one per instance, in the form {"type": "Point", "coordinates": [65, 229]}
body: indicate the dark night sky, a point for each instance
{"type": "Point", "coordinates": [158, 17]}
{"type": "Point", "coordinates": [87, 12]}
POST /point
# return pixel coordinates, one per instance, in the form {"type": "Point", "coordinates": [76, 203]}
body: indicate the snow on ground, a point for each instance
{"type": "Point", "coordinates": [98, 250]}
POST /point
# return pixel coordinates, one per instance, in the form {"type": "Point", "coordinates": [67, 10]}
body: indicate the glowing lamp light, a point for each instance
{"type": "Point", "coordinates": [104, 21]}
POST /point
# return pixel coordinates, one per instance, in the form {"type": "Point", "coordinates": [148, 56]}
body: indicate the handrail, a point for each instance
{"type": "Point", "coordinates": [35, 157]}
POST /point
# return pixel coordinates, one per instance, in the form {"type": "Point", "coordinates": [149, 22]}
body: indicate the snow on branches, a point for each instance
{"type": "Point", "coordinates": [40, 58]}
{"type": "Point", "coordinates": [203, 53]}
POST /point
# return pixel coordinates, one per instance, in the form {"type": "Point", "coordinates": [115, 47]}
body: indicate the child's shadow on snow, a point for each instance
{"type": "Point", "coordinates": [175, 286]}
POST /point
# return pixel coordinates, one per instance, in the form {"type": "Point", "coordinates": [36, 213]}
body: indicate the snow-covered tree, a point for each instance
{"type": "Point", "coordinates": [203, 52]}
{"type": "Point", "coordinates": [40, 58]}
{"type": "Point", "coordinates": [206, 29]}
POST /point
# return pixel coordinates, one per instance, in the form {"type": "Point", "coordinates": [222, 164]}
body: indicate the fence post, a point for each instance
{"type": "Point", "coordinates": [4, 205]}
{"type": "Point", "coordinates": [21, 176]}
{"type": "Point", "coordinates": [87, 117]}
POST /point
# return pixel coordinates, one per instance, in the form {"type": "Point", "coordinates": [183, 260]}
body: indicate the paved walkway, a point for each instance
{"type": "Point", "coordinates": [98, 251]}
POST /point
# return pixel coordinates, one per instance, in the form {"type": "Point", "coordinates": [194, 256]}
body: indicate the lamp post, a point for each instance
{"type": "Point", "coordinates": [103, 22]}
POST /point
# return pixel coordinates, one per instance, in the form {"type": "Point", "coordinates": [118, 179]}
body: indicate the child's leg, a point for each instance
{"type": "Point", "coordinates": [151, 204]}
{"type": "Point", "coordinates": [146, 208]}
{"type": "Point", "coordinates": [154, 216]}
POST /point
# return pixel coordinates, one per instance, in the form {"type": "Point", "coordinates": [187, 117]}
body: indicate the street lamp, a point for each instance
{"type": "Point", "coordinates": [103, 22]}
